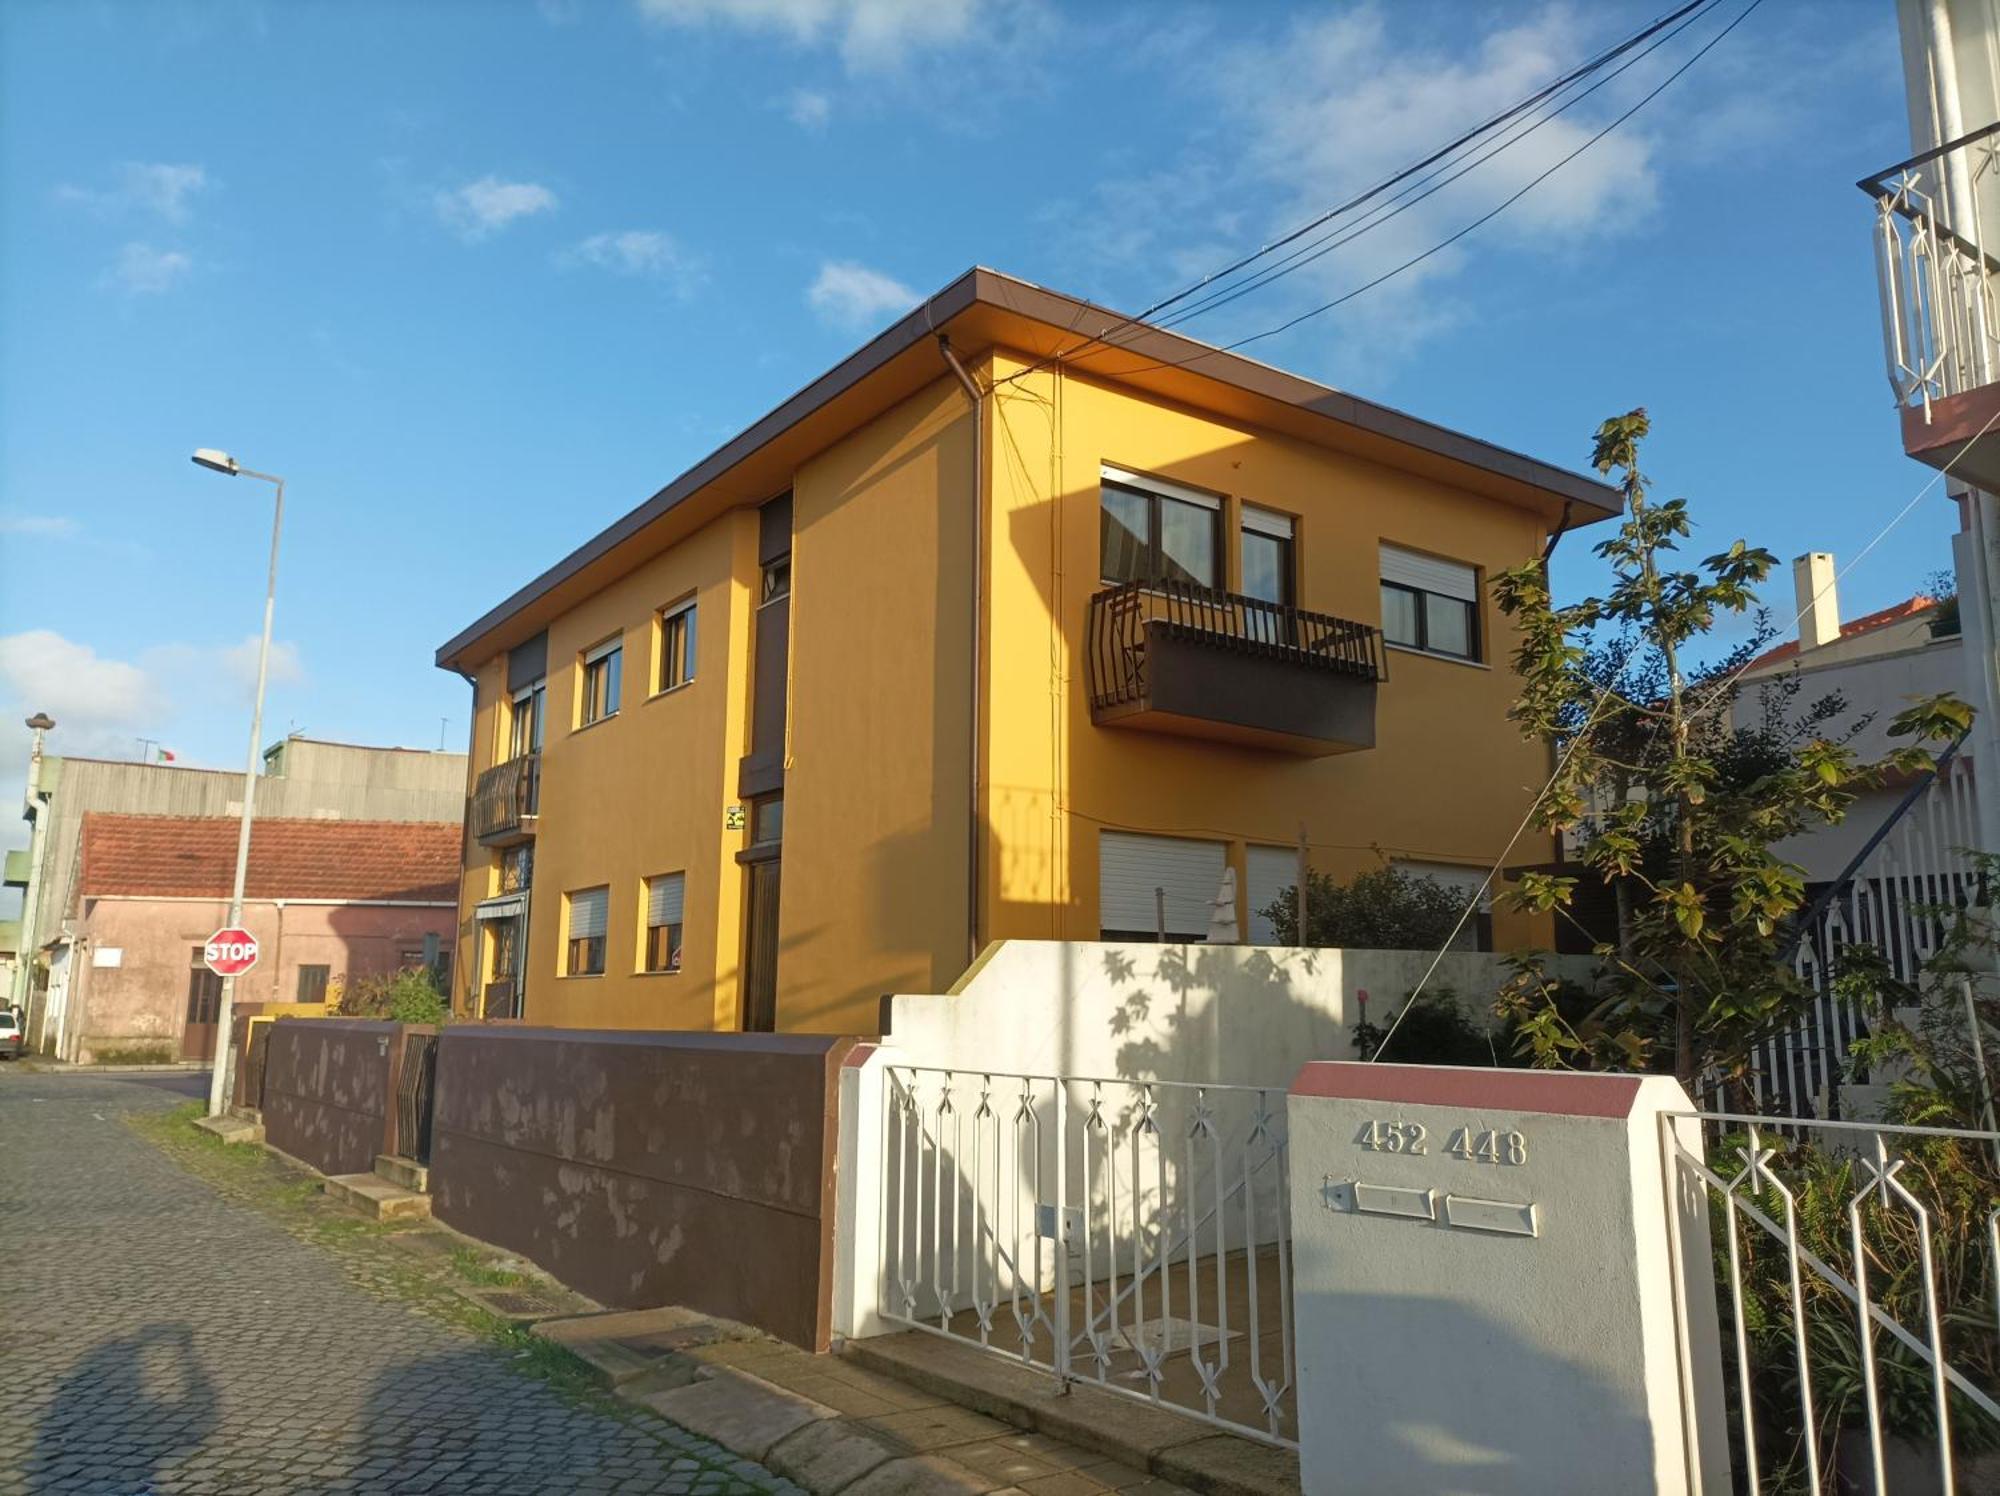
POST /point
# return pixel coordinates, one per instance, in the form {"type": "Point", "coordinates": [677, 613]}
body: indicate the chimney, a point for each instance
{"type": "Point", "coordinates": [1819, 603]}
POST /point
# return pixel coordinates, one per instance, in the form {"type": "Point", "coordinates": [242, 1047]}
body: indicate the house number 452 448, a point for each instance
{"type": "Point", "coordinates": [1484, 1146]}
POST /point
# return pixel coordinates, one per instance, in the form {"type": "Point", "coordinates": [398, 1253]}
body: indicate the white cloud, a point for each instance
{"type": "Point", "coordinates": [154, 187]}
{"type": "Point", "coordinates": [99, 704]}
{"type": "Point", "coordinates": [852, 297]}
{"type": "Point", "coordinates": [1333, 103]}
{"type": "Point", "coordinates": [142, 270]}
{"type": "Point", "coordinates": [240, 660]}
{"type": "Point", "coordinates": [868, 33]}
{"type": "Point", "coordinates": [646, 252]}
{"type": "Point", "coordinates": [809, 110]}
{"type": "Point", "coordinates": [480, 208]}
{"type": "Point", "coordinates": [38, 526]}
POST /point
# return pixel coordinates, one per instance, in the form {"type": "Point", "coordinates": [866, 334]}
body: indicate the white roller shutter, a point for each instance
{"type": "Point", "coordinates": [1270, 870]}
{"type": "Point", "coordinates": [1428, 574]}
{"type": "Point", "coordinates": [665, 898]}
{"type": "Point", "coordinates": [587, 912]}
{"type": "Point", "coordinates": [1130, 867]}
{"type": "Point", "coordinates": [1463, 882]}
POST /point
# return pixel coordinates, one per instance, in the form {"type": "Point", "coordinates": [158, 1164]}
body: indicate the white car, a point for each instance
{"type": "Point", "coordinates": [11, 1041]}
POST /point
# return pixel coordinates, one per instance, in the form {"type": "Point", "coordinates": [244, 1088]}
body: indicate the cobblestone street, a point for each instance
{"type": "Point", "coordinates": [158, 1337]}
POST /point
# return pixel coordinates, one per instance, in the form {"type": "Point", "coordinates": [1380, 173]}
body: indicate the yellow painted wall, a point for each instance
{"type": "Point", "coordinates": [877, 775]}
{"type": "Point", "coordinates": [1449, 777]}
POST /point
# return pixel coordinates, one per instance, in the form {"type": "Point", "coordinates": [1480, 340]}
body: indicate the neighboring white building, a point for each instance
{"type": "Point", "coordinates": [1880, 664]}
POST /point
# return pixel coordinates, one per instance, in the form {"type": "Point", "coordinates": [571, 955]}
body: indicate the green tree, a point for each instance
{"type": "Point", "coordinates": [1673, 807]}
{"type": "Point", "coordinates": [1384, 910]}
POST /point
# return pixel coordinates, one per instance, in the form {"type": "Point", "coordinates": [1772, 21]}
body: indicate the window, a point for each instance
{"type": "Point", "coordinates": [1151, 531]}
{"type": "Point", "coordinates": [1150, 885]}
{"type": "Point", "coordinates": [517, 868]}
{"type": "Point", "coordinates": [1429, 604]}
{"type": "Point", "coordinates": [602, 669]}
{"type": "Point", "coordinates": [312, 983]}
{"type": "Point", "coordinates": [767, 820]}
{"type": "Point", "coordinates": [1268, 873]}
{"type": "Point", "coordinates": [665, 896]}
{"type": "Point", "coordinates": [503, 946]}
{"type": "Point", "coordinates": [1267, 557]}
{"type": "Point", "coordinates": [676, 647]}
{"type": "Point", "coordinates": [525, 724]}
{"type": "Point", "coordinates": [588, 909]}
{"type": "Point", "coordinates": [777, 580]}
{"type": "Point", "coordinates": [204, 990]}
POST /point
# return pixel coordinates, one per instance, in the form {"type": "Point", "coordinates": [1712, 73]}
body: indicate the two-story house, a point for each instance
{"type": "Point", "coordinates": [983, 635]}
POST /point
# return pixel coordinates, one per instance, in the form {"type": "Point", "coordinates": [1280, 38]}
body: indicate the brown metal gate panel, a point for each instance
{"type": "Point", "coordinates": [760, 956]}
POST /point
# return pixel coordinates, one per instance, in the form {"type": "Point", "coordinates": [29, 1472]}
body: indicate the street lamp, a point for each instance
{"type": "Point", "coordinates": [222, 462]}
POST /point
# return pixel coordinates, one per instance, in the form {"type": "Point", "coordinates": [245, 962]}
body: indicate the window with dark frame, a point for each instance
{"type": "Point", "coordinates": [677, 641]}
{"type": "Point", "coordinates": [603, 669]}
{"type": "Point", "coordinates": [525, 721]}
{"type": "Point", "coordinates": [1430, 604]}
{"type": "Point", "coordinates": [1149, 535]}
{"type": "Point", "coordinates": [666, 897]}
{"type": "Point", "coordinates": [777, 580]}
{"type": "Point", "coordinates": [1269, 567]}
{"type": "Point", "coordinates": [312, 983]}
{"type": "Point", "coordinates": [589, 910]}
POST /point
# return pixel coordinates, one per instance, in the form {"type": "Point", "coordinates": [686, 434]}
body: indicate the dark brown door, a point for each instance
{"type": "Point", "coordinates": [760, 949]}
{"type": "Point", "coordinates": [204, 998]}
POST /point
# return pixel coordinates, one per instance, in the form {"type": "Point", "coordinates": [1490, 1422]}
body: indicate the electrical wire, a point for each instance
{"type": "Point", "coordinates": [1532, 101]}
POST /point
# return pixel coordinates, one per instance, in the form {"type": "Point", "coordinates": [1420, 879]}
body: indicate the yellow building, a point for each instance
{"type": "Point", "coordinates": [972, 642]}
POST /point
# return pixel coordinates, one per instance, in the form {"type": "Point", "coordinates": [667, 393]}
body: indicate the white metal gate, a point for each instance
{"type": "Point", "coordinates": [1858, 1286]}
{"type": "Point", "coordinates": [1127, 1233]}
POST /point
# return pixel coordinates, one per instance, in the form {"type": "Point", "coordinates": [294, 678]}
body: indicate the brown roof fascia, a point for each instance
{"type": "Point", "coordinates": [984, 309]}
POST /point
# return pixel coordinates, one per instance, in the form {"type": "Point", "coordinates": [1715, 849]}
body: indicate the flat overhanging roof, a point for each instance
{"type": "Point", "coordinates": [982, 310]}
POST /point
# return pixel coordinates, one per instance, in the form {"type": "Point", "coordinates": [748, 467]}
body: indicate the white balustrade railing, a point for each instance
{"type": "Point", "coordinates": [1856, 1282]}
{"type": "Point", "coordinates": [1940, 321]}
{"type": "Point", "coordinates": [1128, 1233]}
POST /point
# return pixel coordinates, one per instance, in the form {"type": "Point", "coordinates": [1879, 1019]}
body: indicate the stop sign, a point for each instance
{"type": "Point", "coordinates": [230, 952]}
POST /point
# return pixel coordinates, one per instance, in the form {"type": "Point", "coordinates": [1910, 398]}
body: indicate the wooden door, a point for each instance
{"type": "Point", "coordinates": [204, 1000]}
{"type": "Point", "coordinates": [760, 949]}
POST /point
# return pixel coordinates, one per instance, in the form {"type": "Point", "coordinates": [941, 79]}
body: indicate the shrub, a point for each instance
{"type": "Point", "coordinates": [1386, 910]}
{"type": "Point", "coordinates": [407, 996]}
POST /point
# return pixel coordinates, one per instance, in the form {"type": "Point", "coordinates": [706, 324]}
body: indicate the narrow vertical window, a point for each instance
{"type": "Point", "coordinates": [589, 910]}
{"type": "Point", "coordinates": [677, 643]}
{"type": "Point", "coordinates": [665, 897]}
{"type": "Point", "coordinates": [602, 669]}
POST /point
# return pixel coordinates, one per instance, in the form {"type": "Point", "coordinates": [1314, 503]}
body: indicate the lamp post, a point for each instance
{"type": "Point", "coordinates": [222, 462]}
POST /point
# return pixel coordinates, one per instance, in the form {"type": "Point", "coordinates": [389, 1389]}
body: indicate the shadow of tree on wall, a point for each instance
{"type": "Point", "coordinates": [1165, 1014]}
{"type": "Point", "coordinates": [129, 1410]}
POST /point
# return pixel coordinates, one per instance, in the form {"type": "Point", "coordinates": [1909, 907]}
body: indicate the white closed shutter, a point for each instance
{"type": "Point", "coordinates": [1464, 883]}
{"type": "Point", "coordinates": [664, 897]}
{"type": "Point", "coordinates": [1269, 872]}
{"type": "Point", "coordinates": [1429, 574]}
{"type": "Point", "coordinates": [587, 913]}
{"type": "Point", "coordinates": [1130, 867]}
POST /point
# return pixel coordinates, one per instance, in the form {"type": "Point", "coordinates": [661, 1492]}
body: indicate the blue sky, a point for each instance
{"type": "Point", "coordinates": [477, 278]}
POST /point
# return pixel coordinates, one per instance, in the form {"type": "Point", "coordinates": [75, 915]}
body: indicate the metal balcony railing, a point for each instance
{"type": "Point", "coordinates": [1940, 320]}
{"type": "Point", "coordinates": [507, 797]}
{"type": "Point", "coordinates": [1121, 616]}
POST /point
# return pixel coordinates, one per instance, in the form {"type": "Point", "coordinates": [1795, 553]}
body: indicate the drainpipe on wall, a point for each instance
{"type": "Point", "coordinates": [973, 839]}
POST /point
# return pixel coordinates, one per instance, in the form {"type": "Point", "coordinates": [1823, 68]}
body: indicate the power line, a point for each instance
{"type": "Point", "coordinates": [1532, 101]}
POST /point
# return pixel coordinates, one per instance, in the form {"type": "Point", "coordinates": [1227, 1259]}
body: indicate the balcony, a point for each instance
{"type": "Point", "coordinates": [1174, 658]}
{"type": "Point", "coordinates": [1941, 301]}
{"type": "Point", "coordinates": [506, 800]}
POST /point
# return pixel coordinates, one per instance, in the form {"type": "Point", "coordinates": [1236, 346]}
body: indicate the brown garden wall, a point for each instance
{"type": "Point", "coordinates": [649, 1168]}
{"type": "Point", "coordinates": [327, 1090]}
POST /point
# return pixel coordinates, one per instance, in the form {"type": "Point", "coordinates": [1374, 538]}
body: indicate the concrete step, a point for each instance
{"type": "Point", "coordinates": [404, 1173]}
{"type": "Point", "coordinates": [376, 1198]}
{"type": "Point", "coordinates": [232, 1128]}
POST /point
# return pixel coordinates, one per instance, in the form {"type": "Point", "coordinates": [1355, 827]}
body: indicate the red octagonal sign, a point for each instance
{"type": "Point", "coordinates": [230, 952]}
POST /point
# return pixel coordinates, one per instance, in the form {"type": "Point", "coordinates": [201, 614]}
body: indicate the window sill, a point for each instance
{"type": "Point", "coordinates": [1432, 654]}
{"type": "Point", "coordinates": [597, 722]}
{"type": "Point", "coordinates": [676, 971]}
{"type": "Point", "coordinates": [662, 695]}
{"type": "Point", "coordinates": [581, 976]}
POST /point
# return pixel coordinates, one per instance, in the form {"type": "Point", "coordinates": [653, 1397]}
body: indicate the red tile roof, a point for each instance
{"type": "Point", "coordinates": [195, 856]}
{"type": "Point", "coordinates": [1867, 623]}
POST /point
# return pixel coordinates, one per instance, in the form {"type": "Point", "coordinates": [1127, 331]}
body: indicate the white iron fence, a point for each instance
{"type": "Point", "coordinates": [1855, 1272]}
{"type": "Point", "coordinates": [1131, 1234]}
{"type": "Point", "coordinates": [1896, 901]}
{"type": "Point", "coordinates": [1940, 320]}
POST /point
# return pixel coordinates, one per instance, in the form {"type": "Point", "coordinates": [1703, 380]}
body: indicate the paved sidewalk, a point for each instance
{"type": "Point", "coordinates": [158, 1338]}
